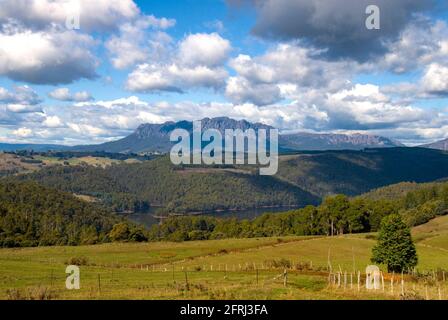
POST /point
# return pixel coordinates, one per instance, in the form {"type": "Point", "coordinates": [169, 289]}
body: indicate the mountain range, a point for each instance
{"type": "Point", "coordinates": [152, 138]}
{"type": "Point", "coordinates": [439, 145]}
{"type": "Point", "coordinates": [155, 138]}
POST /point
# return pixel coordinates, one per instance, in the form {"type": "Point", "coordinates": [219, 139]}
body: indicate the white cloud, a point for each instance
{"type": "Point", "coordinates": [21, 95]}
{"type": "Point", "coordinates": [198, 62]}
{"type": "Point", "coordinates": [435, 79]}
{"type": "Point", "coordinates": [420, 44]}
{"type": "Point", "coordinates": [204, 49]}
{"type": "Point", "coordinates": [135, 44]}
{"type": "Point", "coordinates": [87, 130]}
{"type": "Point", "coordinates": [46, 57]}
{"type": "Point", "coordinates": [22, 108]}
{"type": "Point", "coordinates": [52, 122]}
{"type": "Point", "coordinates": [284, 72]}
{"type": "Point", "coordinates": [64, 94]}
{"type": "Point", "coordinates": [148, 78]}
{"type": "Point", "coordinates": [241, 90]}
{"type": "Point", "coordinates": [23, 132]}
{"type": "Point", "coordinates": [98, 15]}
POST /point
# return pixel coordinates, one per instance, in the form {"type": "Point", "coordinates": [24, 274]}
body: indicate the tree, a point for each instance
{"type": "Point", "coordinates": [335, 208]}
{"type": "Point", "coordinates": [120, 232]}
{"type": "Point", "coordinates": [395, 248]}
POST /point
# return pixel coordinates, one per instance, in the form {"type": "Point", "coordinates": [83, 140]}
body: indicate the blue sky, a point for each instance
{"type": "Point", "coordinates": [294, 64]}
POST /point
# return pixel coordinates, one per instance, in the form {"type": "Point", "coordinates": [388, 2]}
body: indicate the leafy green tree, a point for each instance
{"type": "Point", "coordinates": [336, 209]}
{"type": "Point", "coordinates": [120, 232]}
{"type": "Point", "coordinates": [395, 248]}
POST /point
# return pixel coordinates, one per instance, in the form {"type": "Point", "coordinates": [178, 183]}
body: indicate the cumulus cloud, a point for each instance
{"type": "Point", "coordinates": [22, 100]}
{"type": "Point", "coordinates": [23, 133]}
{"type": "Point", "coordinates": [285, 71]}
{"type": "Point", "coordinates": [52, 122]}
{"type": "Point", "coordinates": [64, 94]}
{"type": "Point", "coordinates": [329, 25]}
{"type": "Point", "coordinates": [365, 107]}
{"type": "Point", "coordinates": [241, 90]}
{"type": "Point", "coordinates": [149, 78]}
{"type": "Point", "coordinates": [421, 43]}
{"type": "Point", "coordinates": [204, 49]}
{"type": "Point", "coordinates": [135, 44]}
{"type": "Point", "coordinates": [50, 57]}
{"type": "Point", "coordinates": [197, 63]}
{"type": "Point", "coordinates": [435, 80]}
{"type": "Point", "coordinates": [99, 15]}
{"type": "Point", "coordinates": [21, 95]}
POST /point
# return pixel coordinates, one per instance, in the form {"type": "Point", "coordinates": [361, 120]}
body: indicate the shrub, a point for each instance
{"type": "Point", "coordinates": [78, 261]}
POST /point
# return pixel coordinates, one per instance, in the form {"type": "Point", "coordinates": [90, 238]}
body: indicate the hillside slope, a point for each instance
{"type": "Point", "coordinates": [159, 183]}
{"type": "Point", "coordinates": [357, 172]}
{"type": "Point", "coordinates": [303, 178]}
{"type": "Point", "coordinates": [34, 215]}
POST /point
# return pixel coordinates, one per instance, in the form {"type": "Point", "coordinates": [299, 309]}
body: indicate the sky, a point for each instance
{"type": "Point", "coordinates": [298, 65]}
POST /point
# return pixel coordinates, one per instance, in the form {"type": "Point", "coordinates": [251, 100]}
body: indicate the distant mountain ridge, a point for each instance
{"type": "Point", "coordinates": [439, 145]}
{"type": "Point", "coordinates": [330, 141]}
{"type": "Point", "coordinates": [34, 147]}
{"type": "Point", "coordinates": [156, 138]}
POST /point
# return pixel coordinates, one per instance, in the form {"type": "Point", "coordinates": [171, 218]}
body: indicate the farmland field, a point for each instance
{"type": "Point", "coordinates": [258, 268]}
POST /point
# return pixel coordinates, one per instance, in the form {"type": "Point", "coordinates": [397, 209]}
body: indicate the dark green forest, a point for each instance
{"type": "Point", "coordinates": [136, 187]}
{"type": "Point", "coordinates": [33, 215]}
{"type": "Point", "coordinates": [304, 178]}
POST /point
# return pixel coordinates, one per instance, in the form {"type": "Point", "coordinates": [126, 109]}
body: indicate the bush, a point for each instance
{"type": "Point", "coordinates": [78, 261]}
{"type": "Point", "coordinates": [120, 232]}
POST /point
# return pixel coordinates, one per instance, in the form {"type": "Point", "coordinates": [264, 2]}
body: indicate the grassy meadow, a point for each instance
{"type": "Point", "coordinates": [258, 268]}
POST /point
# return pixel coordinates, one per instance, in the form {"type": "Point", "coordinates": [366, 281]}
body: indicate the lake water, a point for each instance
{"type": "Point", "coordinates": [148, 219]}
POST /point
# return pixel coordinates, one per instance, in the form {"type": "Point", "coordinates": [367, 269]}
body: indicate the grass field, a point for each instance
{"type": "Point", "coordinates": [91, 161]}
{"type": "Point", "coordinates": [223, 269]}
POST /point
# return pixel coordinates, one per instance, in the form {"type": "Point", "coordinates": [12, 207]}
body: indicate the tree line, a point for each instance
{"type": "Point", "coordinates": [337, 215]}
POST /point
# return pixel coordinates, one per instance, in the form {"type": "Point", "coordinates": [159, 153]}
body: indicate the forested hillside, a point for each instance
{"type": "Point", "coordinates": [356, 172]}
{"type": "Point", "coordinates": [134, 187]}
{"type": "Point", "coordinates": [33, 215]}
{"type": "Point", "coordinates": [303, 179]}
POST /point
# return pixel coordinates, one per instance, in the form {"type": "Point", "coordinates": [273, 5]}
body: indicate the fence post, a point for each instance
{"type": "Point", "coordinates": [359, 280]}
{"type": "Point", "coordinates": [99, 283]}
{"type": "Point", "coordinates": [351, 280]}
{"type": "Point", "coordinates": [285, 278]}
{"type": "Point", "coordinates": [52, 278]}
{"type": "Point", "coordinates": [402, 287]}
{"type": "Point", "coordinates": [187, 286]}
